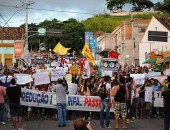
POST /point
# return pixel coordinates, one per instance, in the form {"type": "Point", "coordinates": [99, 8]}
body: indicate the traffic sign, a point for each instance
{"type": "Point", "coordinates": [41, 31]}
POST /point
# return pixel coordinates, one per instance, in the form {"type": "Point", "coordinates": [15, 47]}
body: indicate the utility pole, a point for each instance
{"type": "Point", "coordinates": [124, 44]}
{"type": "Point", "coordinates": [26, 25]}
{"type": "Point", "coordinates": [133, 42]}
{"type": "Point", "coordinates": [28, 3]}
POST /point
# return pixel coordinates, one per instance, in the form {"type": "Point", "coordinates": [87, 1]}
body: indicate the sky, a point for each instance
{"type": "Point", "coordinates": [84, 8]}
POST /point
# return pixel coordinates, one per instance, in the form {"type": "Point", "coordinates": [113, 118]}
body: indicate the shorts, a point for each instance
{"type": "Point", "coordinates": [120, 107]}
{"type": "Point", "coordinates": [15, 109]}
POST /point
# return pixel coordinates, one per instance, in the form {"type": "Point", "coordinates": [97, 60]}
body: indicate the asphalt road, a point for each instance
{"type": "Point", "coordinates": [139, 124]}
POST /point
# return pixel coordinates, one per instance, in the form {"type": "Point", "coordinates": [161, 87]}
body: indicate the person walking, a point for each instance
{"type": "Point", "coordinates": [104, 94]}
{"type": "Point", "coordinates": [61, 102]}
{"type": "Point", "coordinates": [166, 98]}
{"type": "Point", "coordinates": [120, 94]}
{"type": "Point", "coordinates": [14, 93]}
{"type": "Point", "coordinates": [2, 94]}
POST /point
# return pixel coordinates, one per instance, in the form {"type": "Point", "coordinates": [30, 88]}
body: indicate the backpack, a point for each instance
{"type": "Point", "coordinates": [102, 91]}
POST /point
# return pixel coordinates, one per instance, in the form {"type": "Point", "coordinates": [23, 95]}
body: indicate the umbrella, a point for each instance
{"type": "Point", "coordinates": [150, 61]}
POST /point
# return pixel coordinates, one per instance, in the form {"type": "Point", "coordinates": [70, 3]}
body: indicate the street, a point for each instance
{"type": "Point", "coordinates": [139, 124]}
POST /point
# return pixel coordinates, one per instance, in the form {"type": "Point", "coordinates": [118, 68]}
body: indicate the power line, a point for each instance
{"type": "Point", "coordinates": [51, 10]}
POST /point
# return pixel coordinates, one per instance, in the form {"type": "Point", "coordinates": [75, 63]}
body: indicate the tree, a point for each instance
{"type": "Point", "coordinates": [115, 4]}
{"type": "Point", "coordinates": [72, 34]}
{"type": "Point", "coordinates": [141, 4]}
{"type": "Point", "coordinates": [165, 7]}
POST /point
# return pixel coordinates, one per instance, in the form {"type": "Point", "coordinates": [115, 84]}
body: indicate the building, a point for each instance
{"type": "Point", "coordinates": [156, 38]}
{"type": "Point", "coordinates": [126, 38]}
{"type": "Point", "coordinates": [10, 37]}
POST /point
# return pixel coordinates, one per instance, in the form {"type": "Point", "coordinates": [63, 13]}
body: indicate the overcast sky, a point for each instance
{"type": "Point", "coordinates": [35, 16]}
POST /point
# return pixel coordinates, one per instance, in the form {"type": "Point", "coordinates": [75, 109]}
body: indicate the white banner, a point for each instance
{"type": "Point", "coordinates": [37, 98]}
{"type": "Point", "coordinates": [160, 78]}
{"type": "Point", "coordinates": [148, 94]}
{"type": "Point", "coordinates": [3, 78]}
{"type": "Point", "coordinates": [153, 74]}
{"type": "Point", "coordinates": [23, 78]}
{"type": "Point", "coordinates": [41, 78]}
{"type": "Point", "coordinates": [158, 102]}
{"type": "Point", "coordinates": [138, 78]}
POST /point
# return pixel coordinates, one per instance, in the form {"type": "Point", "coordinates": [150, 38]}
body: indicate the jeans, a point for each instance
{"type": "Point", "coordinates": [1, 112]}
{"type": "Point", "coordinates": [129, 106]}
{"type": "Point", "coordinates": [166, 121]}
{"type": "Point", "coordinates": [104, 104]}
{"type": "Point", "coordinates": [61, 107]}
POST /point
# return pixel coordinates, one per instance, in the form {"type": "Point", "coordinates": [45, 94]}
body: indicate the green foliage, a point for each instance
{"type": "Point", "coordinates": [116, 4]}
{"type": "Point", "coordinates": [72, 34]}
{"type": "Point", "coordinates": [107, 23]}
{"type": "Point", "coordinates": [165, 7]}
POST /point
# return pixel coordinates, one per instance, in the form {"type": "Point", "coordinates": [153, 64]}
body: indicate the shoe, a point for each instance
{"type": "Point", "coordinates": [84, 118]}
{"type": "Point", "coordinates": [108, 127]}
{"type": "Point", "coordinates": [128, 121]}
{"type": "Point", "coordinates": [64, 125]}
{"type": "Point", "coordinates": [133, 120]}
{"type": "Point", "coordinates": [3, 123]}
{"type": "Point", "coordinates": [60, 125]}
{"type": "Point", "coordinates": [101, 126]}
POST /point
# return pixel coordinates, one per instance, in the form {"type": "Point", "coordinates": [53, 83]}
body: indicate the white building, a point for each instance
{"type": "Point", "coordinates": [156, 38]}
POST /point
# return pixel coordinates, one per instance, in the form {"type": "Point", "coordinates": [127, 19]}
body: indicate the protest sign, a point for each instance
{"type": "Point", "coordinates": [47, 65]}
{"type": "Point", "coordinates": [153, 74]}
{"type": "Point", "coordinates": [69, 77]}
{"type": "Point", "coordinates": [168, 72]}
{"type": "Point", "coordinates": [3, 78]}
{"type": "Point", "coordinates": [43, 99]}
{"type": "Point", "coordinates": [74, 69]}
{"type": "Point", "coordinates": [107, 72]}
{"type": "Point", "coordinates": [58, 72]}
{"type": "Point", "coordinates": [148, 94]}
{"type": "Point", "coordinates": [41, 78]}
{"type": "Point", "coordinates": [160, 78]}
{"type": "Point", "coordinates": [158, 102]}
{"type": "Point", "coordinates": [23, 78]}
{"type": "Point", "coordinates": [138, 78]}
{"type": "Point", "coordinates": [72, 88]}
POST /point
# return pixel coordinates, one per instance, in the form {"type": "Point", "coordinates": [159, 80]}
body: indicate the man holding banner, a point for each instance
{"type": "Point", "coordinates": [61, 102]}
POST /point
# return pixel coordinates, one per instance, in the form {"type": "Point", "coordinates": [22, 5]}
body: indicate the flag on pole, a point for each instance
{"type": "Point", "coordinates": [87, 53]}
{"type": "Point", "coordinates": [60, 49]}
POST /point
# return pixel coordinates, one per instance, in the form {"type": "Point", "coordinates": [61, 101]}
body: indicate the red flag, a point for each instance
{"type": "Point", "coordinates": [113, 54]}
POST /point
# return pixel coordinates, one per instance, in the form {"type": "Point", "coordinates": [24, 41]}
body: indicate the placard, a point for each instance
{"type": "Point", "coordinates": [22, 79]}
{"type": "Point", "coordinates": [138, 78]}
{"type": "Point", "coordinates": [72, 88]}
{"type": "Point", "coordinates": [41, 78]}
{"type": "Point", "coordinates": [158, 102]}
{"type": "Point", "coordinates": [148, 94]}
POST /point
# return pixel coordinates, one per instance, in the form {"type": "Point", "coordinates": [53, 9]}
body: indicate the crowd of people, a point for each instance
{"type": "Point", "coordinates": [129, 98]}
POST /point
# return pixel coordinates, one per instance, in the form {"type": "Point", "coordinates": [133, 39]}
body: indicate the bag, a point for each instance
{"type": "Point", "coordinates": [102, 91]}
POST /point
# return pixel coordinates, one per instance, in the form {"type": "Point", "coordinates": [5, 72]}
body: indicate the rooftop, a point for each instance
{"type": "Point", "coordinates": [165, 21]}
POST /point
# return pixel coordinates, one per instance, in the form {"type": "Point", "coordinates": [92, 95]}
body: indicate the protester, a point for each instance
{"type": "Point", "coordinates": [2, 95]}
{"type": "Point", "coordinates": [104, 93]}
{"type": "Point", "coordinates": [120, 94]}
{"type": "Point", "coordinates": [14, 93]}
{"type": "Point", "coordinates": [61, 102]}
{"type": "Point", "coordinates": [131, 87]}
{"type": "Point", "coordinates": [166, 96]}
{"type": "Point", "coordinates": [80, 124]}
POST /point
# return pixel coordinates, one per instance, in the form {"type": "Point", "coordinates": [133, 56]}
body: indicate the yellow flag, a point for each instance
{"type": "Point", "coordinates": [61, 50]}
{"type": "Point", "coordinates": [87, 53]}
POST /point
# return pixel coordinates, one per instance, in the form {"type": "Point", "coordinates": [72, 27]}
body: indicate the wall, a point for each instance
{"type": "Point", "coordinates": [149, 46]}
